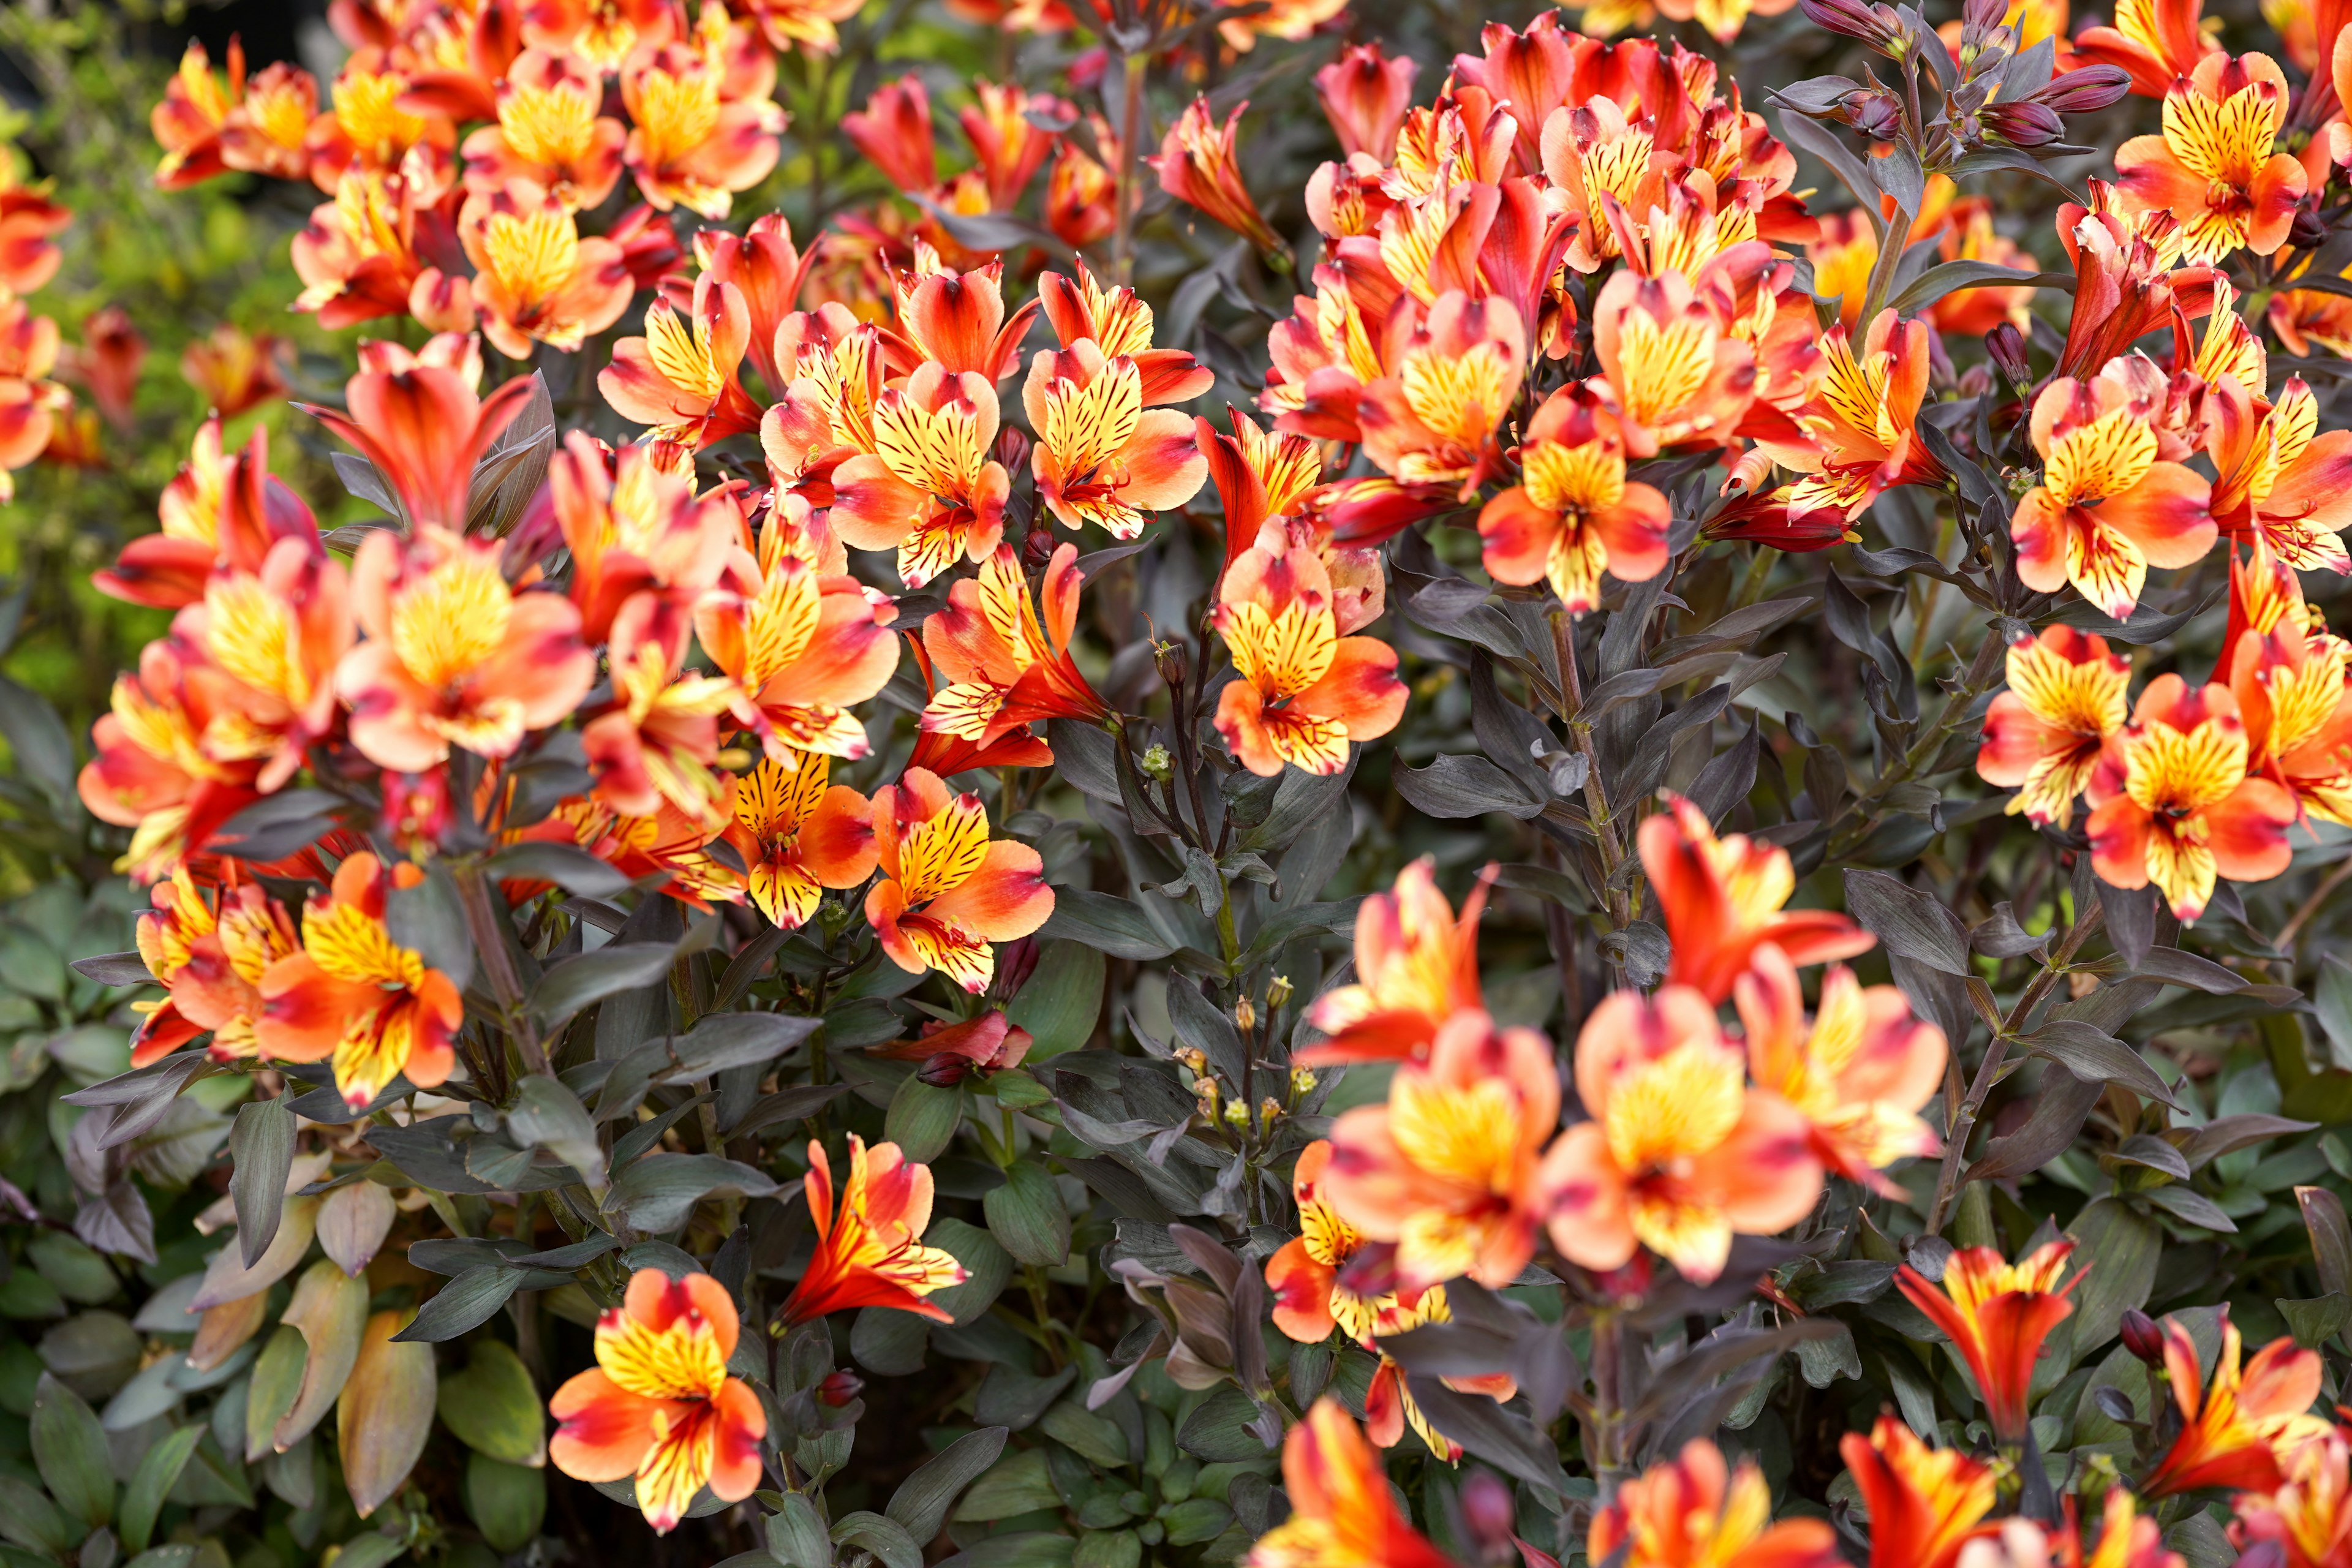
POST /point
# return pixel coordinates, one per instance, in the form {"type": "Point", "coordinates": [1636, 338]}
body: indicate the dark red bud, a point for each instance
{"type": "Point", "coordinates": [839, 1388]}
{"type": "Point", "coordinates": [1012, 450]}
{"type": "Point", "coordinates": [2142, 1338]}
{"type": "Point", "coordinates": [944, 1070]}
{"type": "Point", "coordinates": [2085, 90]}
{"type": "Point", "coordinates": [2310, 230]}
{"type": "Point", "coordinates": [1489, 1516]}
{"type": "Point", "coordinates": [2005, 345]}
{"type": "Point", "coordinates": [2026, 124]}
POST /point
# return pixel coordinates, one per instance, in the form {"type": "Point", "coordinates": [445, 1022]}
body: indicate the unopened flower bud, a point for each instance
{"type": "Point", "coordinates": [1876, 115]}
{"type": "Point", "coordinates": [1278, 993]}
{"type": "Point", "coordinates": [2005, 346]}
{"type": "Point", "coordinates": [2309, 231]}
{"type": "Point", "coordinates": [1302, 1082]}
{"type": "Point", "coordinates": [1981, 16]}
{"type": "Point", "coordinates": [944, 1070]}
{"type": "Point", "coordinates": [2142, 1337]}
{"type": "Point", "coordinates": [1037, 550]}
{"type": "Point", "coordinates": [1011, 449]}
{"type": "Point", "coordinates": [2087, 89]}
{"type": "Point", "coordinates": [1193, 1057]}
{"type": "Point", "coordinates": [2024, 124]}
{"type": "Point", "coordinates": [1876, 25]}
{"type": "Point", "coordinates": [1245, 1014]}
{"type": "Point", "coordinates": [1268, 1109]}
{"type": "Point", "coordinates": [1157, 764]}
{"type": "Point", "coordinates": [1489, 1517]}
{"type": "Point", "coordinates": [1168, 659]}
{"type": "Point", "coordinates": [839, 1388]}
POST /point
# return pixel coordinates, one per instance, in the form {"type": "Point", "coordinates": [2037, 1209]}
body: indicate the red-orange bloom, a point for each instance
{"type": "Point", "coordinates": [1416, 966]}
{"type": "Point", "coordinates": [636, 528]}
{"type": "Point", "coordinates": [695, 143]}
{"type": "Point", "coordinates": [1678, 1153]}
{"type": "Point", "coordinates": [535, 279]}
{"type": "Point", "coordinates": [234, 370]}
{"type": "Point", "coordinates": [212, 962]}
{"type": "Point", "coordinates": [929, 490]}
{"type": "Point", "coordinates": [218, 510]}
{"type": "Point", "coordinates": [1365, 94]}
{"type": "Point", "coordinates": [1723, 897]}
{"type": "Point", "coordinates": [683, 377]}
{"type": "Point", "coordinates": [659, 1405]}
{"type": "Point", "coordinates": [1435, 418]}
{"type": "Point", "coordinates": [893, 132]}
{"type": "Point", "coordinates": [1446, 1169]}
{"type": "Point", "coordinates": [1695, 1511]}
{"type": "Point", "coordinates": [1101, 456]}
{"type": "Point", "coordinates": [1006, 666]}
{"type": "Point", "coordinates": [1199, 165]}
{"type": "Point", "coordinates": [1304, 690]}
{"type": "Point", "coordinates": [2156, 41]}
{"type": "Point", "coordinates": [2213, 167]}
{"type": "Point", "coordinates": [2241, 1431]}
{"type": "Point", "coordinates": [29, 224]}
{"type": "Point", "coordinates": [355, 994]}
{"type": "Point", "coordinates": [766, 270]}
{"type": "Point", "coordinates": [800, 836]}
{"type": "Point", "coordinates": [419, 418]}
{"type": "Point", "coordinates": [948, 891]}
{"type": "Point", "coordinates": [1573, 514]}
{"type": "Point", "coordinates": [453, 655]}
{"type": "Point", "coordinates": [1342, 1514]}
{"type": "Point", "coordinates": [1997, 1314]}
{"type": "Point", "coordinates": [2042, 737]}
{"type": "Point", "coordinates": [1925, 1504]}
{"type": "Point", "coordinates": [2281, 476]}
{"type": "Point", "coordinates": [2309, 1515]}
{"type": "Point", "coordinates": [659, 740]}
{"type": "Point", "coordinates": [801, 644]}
{"type": "Point", "coordinates": [549, 132]}
{"type": "Point", "coordinates": [870, 1253]}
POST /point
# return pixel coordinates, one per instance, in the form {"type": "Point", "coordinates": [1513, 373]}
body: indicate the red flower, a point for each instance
{"type": "Point", "coordinates": [1723, 897]}
{"type": "Point", "coordinates": [1997, 1314]}
{"type": "Point", "coordinates": [871, 1254]}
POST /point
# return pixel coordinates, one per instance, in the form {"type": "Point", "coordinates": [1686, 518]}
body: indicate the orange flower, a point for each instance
{"type": "Point", "coordinates": [1304, 690]}
{"type": "Point", "coordinates": [800, 837]}
{"type": "Point", "coordinates": [535, 279]}
{"type": "Point", "coordinates": [1997, 1314]}
{"type": "Point", "coordinates": [549, 132]}
{"type": "Point", "coordinates": [1723, 897]}
{"type": "Point", "coordinates": [929, 488]}
{"type": "Point", "coordinates": [372, 128]}
{"type": "Point", "coordinates": [1925, 1504]}
{"type": "Point", "coordinates": [1199, 165]}
{"type": "Point", "coordinates": [603, 32]}
{"type": "Point", "coordinates": [2127, 1537]}
{"type": "Point", "coordinates": [808, 25]}
{"type": "Point", "coordinates": [804, 646]}
{"type": "Point", "coordinates": [635, 528]}
{"type": "Point", "coordinates": [2171, 803]}
{"type": "Point", "coordinates": [2105, 509]}
{"type": "Point", "coordinates": [2213, 167]}
{"type": "Point", "coordinates": [2288, 673]}
{"type": "Point", "coordinates": [1342, 1514]}
{"type": "Point", "coordinates": [1365, 94]}
{"type": "Point", "coordinates": [216, 963]}
{"type": "Point", "coordinates": [267, 133]}
{"type": "Point", "coordinates": [234, 370]}
{"type": "Point", "coordinates": [2042, 737]}
{"type": "Point", "coordinates": [893, 132]}
{"type": "Point", "coordinates": [1416, 966]}
{"type": "Point", "coordinates": [2157, 41]}
{"type": "Point", "coordinates": [2282, 478]}
{"type": "Point", "coordinates": [659, 740]}
{"type": "Point", "coordinates": [695, 143]}
{"type": "Point", "coordinates": [1671, 367]}
{"type": "Point", "coordinates": [357, 258]}
{"type": "Point", "coordinates": [1101, 456]}
{"type": "Point", "coordinates": [1446, 1170]}
{"type": "Point", "coordinates": [768, 270]}
{"type": "Point", "coordinates": [454, 656]}
{"type": "Point", "coordinates": [187, 122]}
{"type": "Point", "coordinates": [871, 1253]}
{"type": "Point", "coordinates": [1081, 196]}
{"type": "Point", "coordinates": [949, 891]}
{"type": "Point", "coordinates": [1007, 131]}
{"type": "Point", "coordinates": [1859, 427]}
{"type": "Point", "coordinates": [683, 378]}
{"type": "Point", "coordinates": [1860, 1073]}
{"type": "Point", "coordinates": [1679, 1153]}
{"type": "Point", "coordinates": [956, 321]}
{"type": "Point", "coordinates": [660, 1407]}
{"type": "Point", "coordinates": [2309, 1514]}
{"type": "Point", "coordinates": [1573, 514]}
{"type": "Point", "coordinates": [1006, 666]}
{"type": "Point", "coordinates": [417, 415]}
{"type": "Point", "coordinates": [1695, 1511]}
{"type": "Point", "coordinates": [2241, 1431]}
{"type": "Point", "coordinates": [272, 641]}
{"type": "Point", "coordinates": [355, 994]}
{"type": "Point", "coordinates": [1433, 418]}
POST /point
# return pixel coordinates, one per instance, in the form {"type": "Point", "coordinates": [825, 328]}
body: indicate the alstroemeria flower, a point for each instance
{"type": "Point", "coordinates": [166, 933]}
{"type": "Point", "coordinates": [602, 32]}
{"type": "Point", "coordinates": [1365, 94]}
{"type": "Point", "coordinates": [2281, 476]}
{"type": "Point", "coordinates": [549, 132]}
{"type": "Point", "coordinates": [218, 984]}
{"type": "Point", "coordinates": [1119, 324]}
{"type": "Point", "coordinates": [1101, 456]}
{"type": "Point", "coordinates": [1259, 474]}
{"type": "Point", "coordinates": [1435, 418]}
{"type": "Point", "coordinates": [2171, 803]}
{"type": "Point", "coordinates": [370, 129]}
{"type": "Point", "coordinates": [659, 1407]}
{"type": "Point", "coordinates": [1416, 966]}
{"type": "Point", "coordinates": [799, 836]}
{"type": "Point", "coordinates": [2154, 41]}
{"type": "Point", "coordinates": [1304, 690]}
{"type": "Point", "coordinates": [2290, 675]}
{"type": "Point", "coordinates": [355, 994]}
{"type": "Point", "coordinates": [1324, 356]}
{"type": "Point", "coordinates": [2240, 1432]}
{"type": "Point", "coordinates": [1679, 1153]}
{"type": "Point", "coordinates": [636, 528]}
{"type": "Point", "coordinates": [272, 640]}
{"type": "Point", "coordinates": [419, 417]}
{"type": "Point", "coordinates": [1670, 368]}
{"type": "Point", "coordinates": [929, 490]}
{"type": "Point", "coordinates": [454, 656]}
{"type": "Point", "coordinates": [956, 321]}
{"type": "Point", "coordinates": [893, 132]}
{"type": "Point", "coordinates": [1199, 165]}
{"type": "Point", "coordinates": [1723, 897]}
{"type": "Point", "coordinates": [1304, 1275]}
{"type": "Point", "coordinates": [1573, 514]}
{"type": "Point", "coordinates": [150, 772]}
{"type": "Point", "coordinates": [1005, 665]}
{"type": "Point", "coordinates": [950, 1052]}
{"type": "Point", "coordinates": [2309, 1515]}
{"type": "Point", "coordinates": [221, 510]}
{"type": "Point", "coordinates": [2105, 509]}
{"type": "Point", "coordinates": [660, 741]}
{"type": "Point", "coordinates": [948, 891]}
{"type": "Point", "coordinates": [768, 270]}
{"type": "Point", "coordinates": [807, 25]}
{"type": "Point", "coordinates": [1858, 425]}
{"type": "Point", "coordinates": [1997, 1314]}
{"type": "Point", "coordinates": [1697, 1511]}
{"type": "Point", "coordinates": [535, 279]}
{"type": "Point", "coordinates": [2067, 694]}
{"type": "Point", "coordinates": [871, 1253]}
{"type": "Point", "coordinates": [1925, 1504]}
{"type": "Point", "coordinates": [357, 258]}
{"type": "Point", "coordinates": [804, 647]}
{"type": "Point", "coordinates": [186, 122]}
{"type": "Point", "coordinates": [2213, 167]}
{"type": "Point", "coordinates": [682, 379]}
{"type": "Point", "coordinates": [693, 143]}
{"type": "Point", "coordinates": [1860, 1072]}
{"type": "Point", "coordinates": [1342, 1514]}
{"type": "Point", "coordinates": [1446, 1170]}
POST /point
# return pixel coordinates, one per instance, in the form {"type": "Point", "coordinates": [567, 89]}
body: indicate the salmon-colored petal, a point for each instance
{"type": "Point", "coordinates": [2247, 832]}
{"type": "Point", "coordinates": [1360, 689]}
{"type": "Point", "coordinates": [1301, 1287]}
{"type": "Point", "coordinates": [1584, 1197]}
{"type": "Point", "coordinates": [1005, 899]}
{"type": "Point", "coordinates": [836, 842]}
{"type": "Point", "coordinates": [1516, 536]}
{"type": "Point", "coordinates": [735, 1467]}
{"type": "Point", "coordinates": [1163, 462]}
{"type": "Point", "coordinates": [2038, 527]}
{"type": "Point", "coordinates": [2165, 515]}
{"type": "Point", "coordinates": [2151, 176]}
{"type": "Point", "coordinates": [602, 1430]}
